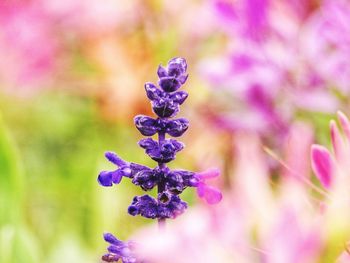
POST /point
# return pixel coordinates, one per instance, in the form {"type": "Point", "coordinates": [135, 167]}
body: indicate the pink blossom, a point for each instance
{"type": "Point", "coordinates": [301, 55]}
{"type": "Point", "coordinates": [325, 164]}
{"type": "Point", "coordinates": [27, 43]}
{"type": "Point", "coordinates": [322, 164]}
{"type": "Point", "coordinates": [253, 223]}
{"type": "Point", "coordinates": [211, 194]}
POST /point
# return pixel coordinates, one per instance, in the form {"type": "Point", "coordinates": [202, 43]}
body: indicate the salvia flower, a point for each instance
{"type": "Point", "coordinates": [165, 100]}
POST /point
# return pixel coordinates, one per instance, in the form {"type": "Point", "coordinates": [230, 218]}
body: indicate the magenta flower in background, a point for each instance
{"type": "Point", "coordinates": [332, 170]}
{"type": "Point", "coordinates": [324, 163]}
{"type": "Point", "coordinates": [249, 18]}
{"type": "Point", "coordinates": [286, 58]}
{"type": "Point", "coordinates": [326, 43]}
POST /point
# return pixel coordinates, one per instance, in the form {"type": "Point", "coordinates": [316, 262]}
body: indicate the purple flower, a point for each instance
{"type": "Point", "coordinates": [165, 104]}
{"type": "Point", "coordinates": [173, 76]}
{"type": "Point", "coordinates": [108, 178]}
{"type": "Point", "coordinates": [164, 151]}
{"type": "Point", "coordinates": [170, 183]}
{"type": "Point", "coordinates": [166, 206]}
{"type": "Point", "coordinates": [119, 250]}
{"type": "Point", "coordinates": [149, 126]}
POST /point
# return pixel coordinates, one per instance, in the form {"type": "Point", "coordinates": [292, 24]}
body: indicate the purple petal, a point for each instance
{"type": "Point", "coordinates": [114, 249]}
{"type": "Point", "coordinates": [345, 124]}
{"type": "Point", "coordinates": [165, 108]}
{"type": "Point", "coordinates": [148, 143]}
{"type": "Point", "coordinates": [177, 127]}
{"type": "Point", "coordinates": [161, 71]}
{"type": "Point", "coordinates": [117, 176]}
{"type": "Point", "coordinates": [113, 158]}
{"type": "Point", "coordinates": [178, 146]}
{"type": "Point", "coordinates": [179, 96]}
{"type": "Point", "coordinates": [108, 237]}
{"type": "Point", "coordinates": [182, 79]}
{"type": "Point", "coordinates": [321, 163]}
{"type": "Point", "coordinates": [105, 178]}
{"type": "Point", "coordinates": [169, 84]}
{"type": "Point", "coordinates": [146, 125]}
{"type": "Point", "coordinates": [211, 194]}
{"type": "Point", "coordinates": [180, 62]}
{"type": "Point", "coordinates": [152, 91]}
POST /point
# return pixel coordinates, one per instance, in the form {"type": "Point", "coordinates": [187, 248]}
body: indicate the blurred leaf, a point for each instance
{"type": "Point", "coordinates": [11, 179]}
{"type": "Point", "coordinates": [16, 242]}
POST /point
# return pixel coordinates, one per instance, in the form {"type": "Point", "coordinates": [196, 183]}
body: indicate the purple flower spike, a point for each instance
{"type": "Point", "coordinates": [166, 102]}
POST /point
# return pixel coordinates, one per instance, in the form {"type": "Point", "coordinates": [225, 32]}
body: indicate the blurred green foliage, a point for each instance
{"type": "Point", "coordinates": [51, 150]}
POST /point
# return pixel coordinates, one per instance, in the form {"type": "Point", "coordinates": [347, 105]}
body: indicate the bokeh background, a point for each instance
{"type": "Point", "coordinates": [71, 81]}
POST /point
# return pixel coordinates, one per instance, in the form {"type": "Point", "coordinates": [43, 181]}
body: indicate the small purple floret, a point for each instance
{"type": "Point", "coordinates": [166, 206]}
{"type": "Point", "coordinates": [119, 250]}
{"type": "Point", "coordinates": [149, 126]}
{"type": "Point", "coordinates": [165, 104]}
{"type": "Point", "coordinates": [172, 77]}
{"type": "Point", "coordinates": [163, 152]}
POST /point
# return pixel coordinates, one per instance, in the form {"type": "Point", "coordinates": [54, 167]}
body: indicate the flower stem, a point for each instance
{"type": "Point", "coordinates": [161, 186]}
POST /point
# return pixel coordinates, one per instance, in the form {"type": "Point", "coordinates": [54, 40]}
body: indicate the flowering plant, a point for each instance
{"type": "Point", "coordinates": [165, 101]}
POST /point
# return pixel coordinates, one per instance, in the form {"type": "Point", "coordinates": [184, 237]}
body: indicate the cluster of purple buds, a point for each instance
{"type": "Point", "coordinates": [119, 250]}
{"type": "Point", "coordinates": [166, 101]}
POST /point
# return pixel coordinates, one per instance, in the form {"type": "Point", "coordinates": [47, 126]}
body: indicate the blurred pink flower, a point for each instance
{"type": "Point", "coordinates": [326, 39]}
{"type": "Point", "coordinates": [252, 224]}
{"type": "Point", "coordinates": [284, 71]}
{"type": "Point", "coordinates": [332, 170]}
{"type": "Point", "coordinates": [211, 194]}
{"type": "Point", "coordinates": [90, 17]}
{"type": "Point", "coordinates": [290, 241]}
{"type": "Point", "coordinates": [27, 43]}
{"type": "Point", "coordinates": [344, 257]}
{"type": "Point", "coordinates": [248, 17]}
{"type": "Point", "coordinates": [37, 36]}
